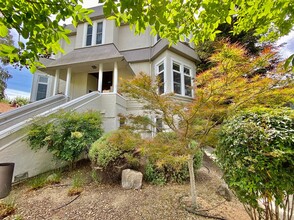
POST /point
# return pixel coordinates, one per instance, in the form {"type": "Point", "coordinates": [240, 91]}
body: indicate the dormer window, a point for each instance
{"type": "Point", "coordinates": [94, 33]}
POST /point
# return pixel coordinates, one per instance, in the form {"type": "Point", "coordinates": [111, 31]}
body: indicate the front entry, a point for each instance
{"type": "Point", "coordinates": [107, 82]}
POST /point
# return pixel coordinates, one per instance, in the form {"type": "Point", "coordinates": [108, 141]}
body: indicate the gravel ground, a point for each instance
{"type": "Point", "coordinates": [99, 201]}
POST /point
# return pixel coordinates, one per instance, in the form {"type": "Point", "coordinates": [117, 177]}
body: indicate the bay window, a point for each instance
{"type": "Point", "coordinates": [182, 79]}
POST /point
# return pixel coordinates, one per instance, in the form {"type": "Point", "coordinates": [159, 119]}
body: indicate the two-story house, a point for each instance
{"type": "Point", "coordinates": [88, 77]}
{"type": "Point", "coordinates": [101, 55]}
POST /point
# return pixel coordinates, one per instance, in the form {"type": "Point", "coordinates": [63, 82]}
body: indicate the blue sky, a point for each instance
{"type": "Point", "coordinates": [20, 84]}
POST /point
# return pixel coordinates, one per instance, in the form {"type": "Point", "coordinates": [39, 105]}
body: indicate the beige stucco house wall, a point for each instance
{"type": "Point", "coordinates": [88, 66]}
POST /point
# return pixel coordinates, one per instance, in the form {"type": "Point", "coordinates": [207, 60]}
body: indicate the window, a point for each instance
{"type": "Point", "coordinates": [99, 33]}
{"type": "Point", "coordinates": [188, 81]}
{"type": "Point", "coordinates": [160, 77]}
{"type": "Point", "coordinates": [42, 87]}
{"type": "Point", "coordinates": [177, 78]}
{"type": "Point", "coordinates": [89, 35]}
{"type": "Point", "coordinates": [182, 79]}
{"type": "Point", "coordinates": [94, 34]}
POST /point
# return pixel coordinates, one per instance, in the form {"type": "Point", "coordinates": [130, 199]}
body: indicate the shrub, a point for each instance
{"type": "Point", "coordinates": [68, 135]}
{"type": "Point", "coordinates": [115, 151]}
{"type": "Point", "coordinates": [166, 162]}
{"type": "Point", "coordinates": [20, 101]}
{"type": "Point", "coordinates": [257, 156]}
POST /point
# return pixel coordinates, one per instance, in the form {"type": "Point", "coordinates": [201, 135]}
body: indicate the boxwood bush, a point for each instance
{"type": "Point", "coordinates": [256, 153]}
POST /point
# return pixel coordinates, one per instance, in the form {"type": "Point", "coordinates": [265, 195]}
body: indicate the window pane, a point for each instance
{"type": "Point", "coordinates": [161, 80]}
{"type": "Point", "coordinates": [43, 79]}
{"type": "Point", "coordinates": [89, 35]}
{"type": "Point", "coordinates": [41, 92]}
{"type": "Point", "coordinates": [99, 27]}
{"type": "Point", "coordinates": [177, 77]}
{"type": "Point", "coordinates": [99, 39]}
{"type": "Point", "coordinates": [188, 86]}
{"type": "Point", "coordinates": [188, 91]}
{"type": "Point", "coordinates": [186, 71]}
{"type": "Point", "coordinates": [176, 67]}
{"type": "Point", "coordinates": [177, 82]}
{"type": "Point", "coordinates": [187, 81]}
{"type": "Point", "coordinates": [99, 33]}
{"type": "Point", "coordinates": [161, 67]}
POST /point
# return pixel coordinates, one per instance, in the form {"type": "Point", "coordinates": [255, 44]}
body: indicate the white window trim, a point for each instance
{"type": "Point", "coordinates": [164, 73]}
{"type": "Point", "coordinates": [94, 33]}
{"type": "Point", "coordinates": [182, 65]}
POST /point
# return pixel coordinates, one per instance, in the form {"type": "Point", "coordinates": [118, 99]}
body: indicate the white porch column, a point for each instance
{"type": "Point", "coordinates": [100, 78]}
{"type": "Point", "coordinates": [115, 78]}
{"type": "Point", "coordinates": [56, 82]}
{"type": "Point", "coordinates": [68, 79]}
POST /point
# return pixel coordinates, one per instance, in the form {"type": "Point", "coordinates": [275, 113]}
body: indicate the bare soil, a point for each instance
{"type": "Point", "coordinates": [5, 107]}
{"type": "Point", "coordinates": [102, 201]}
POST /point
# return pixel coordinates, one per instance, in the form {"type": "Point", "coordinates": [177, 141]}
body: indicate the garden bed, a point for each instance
{"type": "Point", "coordinates": [101, 201]}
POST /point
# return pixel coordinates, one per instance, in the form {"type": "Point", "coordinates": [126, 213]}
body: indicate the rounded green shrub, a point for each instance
{"type": "Point", "coordinates": [256, 153]}
{"type": "Point", "coordinates": [114, 152]}
{"type": "Point", "coordinates": [66, 134]}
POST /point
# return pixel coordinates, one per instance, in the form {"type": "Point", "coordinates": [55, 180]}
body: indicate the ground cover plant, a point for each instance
{"type": "Point", "coordinates": [257, 156]}
{"type": "Point", "coordinates": [66, 135]}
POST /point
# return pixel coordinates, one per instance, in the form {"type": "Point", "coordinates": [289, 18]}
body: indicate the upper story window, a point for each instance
{"type": "Point", "coordinates": [94, 33]}
{"type": "Point", "coordinates": [160, 68]}
{"type": "Point", "coordinates": [89, 35]}
{"type": "Point", "coordinates": [182, 79]}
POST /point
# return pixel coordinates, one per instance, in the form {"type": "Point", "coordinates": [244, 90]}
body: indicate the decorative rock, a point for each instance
{"type": "Point", "coordinates": [224, 191]}
{"type": "Point", "coordinates": [131, 179]}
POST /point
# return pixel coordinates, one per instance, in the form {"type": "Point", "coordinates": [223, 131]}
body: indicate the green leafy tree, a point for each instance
{"type": "Point", "coordinates": [4, 74]}
{"type": "Point", "coordinates": [175, 19]}
{"type": "Point", "coordinates": [38, 22]}
{"type": "Point", "coordinates": [257, 156]}
{"type": "Point", "coordinates": [230, 85]}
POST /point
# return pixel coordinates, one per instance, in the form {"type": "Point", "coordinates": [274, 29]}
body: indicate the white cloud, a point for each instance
{"type": "Point", "coordinates": [288, 48]}
{"type": "Point", "coordinates": [90, 3]}
{"type": "Point", "coordinates": [12, 94]}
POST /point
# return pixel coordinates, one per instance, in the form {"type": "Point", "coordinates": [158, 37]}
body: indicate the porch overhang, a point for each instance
{"type": "Point", "coordinates": [86, 56]}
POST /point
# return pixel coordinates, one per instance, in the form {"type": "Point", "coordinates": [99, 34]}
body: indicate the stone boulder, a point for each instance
{"type": "Point", "coordinates": [131, 179]}
{"type": "Point", "coordinates": [223, 190]}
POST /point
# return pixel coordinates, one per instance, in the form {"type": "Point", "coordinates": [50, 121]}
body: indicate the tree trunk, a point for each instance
{"type": "Point", "coordinates": [192, 181]}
